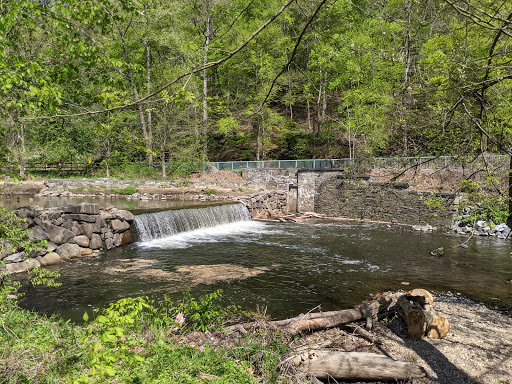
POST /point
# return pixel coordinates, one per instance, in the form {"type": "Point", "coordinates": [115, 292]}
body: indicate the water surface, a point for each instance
{"type": "Point", "coordinates": [335, 264]}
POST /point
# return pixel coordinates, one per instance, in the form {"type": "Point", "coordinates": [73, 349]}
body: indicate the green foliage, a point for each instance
{"type": "Point", "coordinates": [262, 350]}
{"type": "Point", "coordinates": [211, 191]}
{"type": "Point", "coordinates": [491, 207]}
{"type": "Point", "coordinates": [433, 202]}
{"type": "Point", "coordinates": [201, 315]}
{"type": "Point", "coordinates": [128, 190]}
{"type": "Point", "coordinates": [43, 276]}
{"type": "Point", "coordinates": [109, 338]}
{"type": "Point", "coordinates": [13, 236]}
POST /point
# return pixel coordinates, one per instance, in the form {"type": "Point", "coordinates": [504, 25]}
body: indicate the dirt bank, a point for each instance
{"type": "Point", "coordinates": [23, 187]}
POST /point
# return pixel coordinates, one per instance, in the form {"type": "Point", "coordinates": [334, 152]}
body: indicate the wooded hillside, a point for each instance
{"type": "Point", "coordinates": [172, 81]}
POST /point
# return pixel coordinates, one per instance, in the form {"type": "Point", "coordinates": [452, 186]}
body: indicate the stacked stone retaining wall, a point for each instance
{"type": "Point", "coordinates": [70, 231]}
{"type": "Point", "coordinates": [266, 204]}
{"type": "Point", "coordinates": [361, 199]}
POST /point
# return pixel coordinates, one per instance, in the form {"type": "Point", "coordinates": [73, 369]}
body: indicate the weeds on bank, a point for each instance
{"type": "Point", "coordinates": [134, 340]}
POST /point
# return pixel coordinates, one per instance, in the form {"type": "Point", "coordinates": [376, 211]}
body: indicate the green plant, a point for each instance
{"type": "Point", "coordinates": [13, 235]}
{"type": "Point", "coordinates": [200, 315]}
{"type": "Point", "coordinates": [211, 191]}
{"type": "Point", "coordinates": [128, 190]}
{"type": "Point", "coordinates": [43, 276]}
{"type": "Point", "coordinates": [108, 337]}
{"type": "Point", "coordinates": [433, 202]}
{"type": "Point", "coordinates": [79, 189]}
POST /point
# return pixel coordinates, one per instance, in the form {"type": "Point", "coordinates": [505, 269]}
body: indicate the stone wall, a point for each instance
{"type": "Point", "coordinates": [271, 179]}
{"type": "Point", "coordinates": [361, 199]}
{"type": "Point", "coordinates": [265, 205]}
{"type": "Point", "coordinates": [70, 231]}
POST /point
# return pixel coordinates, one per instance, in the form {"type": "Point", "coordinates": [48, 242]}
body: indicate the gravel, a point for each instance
{"type": "Point", "coordinates": [477, 349]}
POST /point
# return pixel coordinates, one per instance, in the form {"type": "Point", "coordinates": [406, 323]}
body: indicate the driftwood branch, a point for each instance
{"type": "Point", "coordinates": [320, 320]}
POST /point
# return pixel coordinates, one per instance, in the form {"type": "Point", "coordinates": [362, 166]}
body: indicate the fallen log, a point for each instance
{"type": "Point", "coordinates": [320, 320]}
{"type": "Point", "coordinates": [416, 308]}
{"type": "Point", "coordinates": [355, 365]}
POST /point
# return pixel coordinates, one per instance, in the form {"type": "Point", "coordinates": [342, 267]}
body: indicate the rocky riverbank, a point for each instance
{"type": "Point", "coordinates": [70, 231]}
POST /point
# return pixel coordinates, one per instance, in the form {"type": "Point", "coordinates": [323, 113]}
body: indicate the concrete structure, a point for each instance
{"type": "Point", "coordinates": [335, 193]}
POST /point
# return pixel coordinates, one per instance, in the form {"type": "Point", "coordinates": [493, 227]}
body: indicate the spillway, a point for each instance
{"type": "Point", "coordinates": [151, 226]}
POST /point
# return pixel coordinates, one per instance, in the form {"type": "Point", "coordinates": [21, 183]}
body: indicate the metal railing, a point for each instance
{"type": "Point", "coordinates": [435, 162]}
{"type": "Point", "coordinates": [346, 164]}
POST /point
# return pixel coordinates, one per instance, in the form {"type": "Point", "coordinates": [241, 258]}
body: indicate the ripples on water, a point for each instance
{"type": "Point", "coordinates": [332, 264]}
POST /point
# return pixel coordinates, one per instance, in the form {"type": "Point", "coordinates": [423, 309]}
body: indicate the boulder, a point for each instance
{"type": "Point", "coordinates": [51, 258]}
{"type": "Point", "coordinates": [119, 226]}
{"type": "Point", "coordinates": [68, 251]}
{"type": "Point", "coordinates": [87, 229]}
{"type": "Point", "coordinates": [95, 242]}
{"type": "Point", "coordinates": [14, 258]}
{"type": "Point", "coordinates": [53, 214]}
{"type": "Point", "coordinates": [37, 233]}
{"type": "Point", "coordinates": [124, 215]}
{"type": "Point", "coordinates": [31, 264]}
{"type": "Point", "coordinates": [41, 260]}
{"type": "Point", "coordinates": [74, 227]}
{"type": "Point", "coordinates": [109, 243]}
{"type": "Point", "coordinates": [5, 248]}
{"type": "Point", "coordinates": [125, 238]}
{"type": "Point", "coordinates": [26, 212]}
{"type": "Point", "coordinates": [85, 208]}
{"type": "Point", "coordinates": [107, 215]}
{"type": "Point", "coordinates": [57, 235]}
{"type": "Point", "coordinates": [50, 247]}
{"type": "Point", "coordinates": [89, 209]}
{"type": "Point", "coordinates": [16, 268]}
{"type": "Point", "coordinates": [98, 224]}
{"type": "Point", "coordinates": [80, 217]}
{"type": "Point", "coordinates": [81, 240]}
{"type": "Point", "coordinates": [86, 251]}
{"type": "Point", "coordinates": [117, 240]}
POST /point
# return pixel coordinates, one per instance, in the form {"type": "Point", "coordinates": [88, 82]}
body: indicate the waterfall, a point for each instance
{"type": "Point", "coordinates": [157, 225]}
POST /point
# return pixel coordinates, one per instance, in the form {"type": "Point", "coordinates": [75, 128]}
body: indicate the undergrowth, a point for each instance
{"type": "Point", "coordinates": [135, 340]}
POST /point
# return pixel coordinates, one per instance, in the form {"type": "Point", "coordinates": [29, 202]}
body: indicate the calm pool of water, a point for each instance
{"type": "Point", "coordinates": [335, 264]}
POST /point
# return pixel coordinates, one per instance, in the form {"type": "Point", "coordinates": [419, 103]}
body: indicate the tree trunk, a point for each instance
{"type": "Point", "coordinates": [405, 89]}
{"type": "Point", "coordinates": [205, 90]}
{"type": "Point", "coordinates": [22, 153]}
{"type": "Point", "coordinates": [129, 76]}
{"type": "Point", "coordinates": [355, 365]}
{"type": "Point", "coordinates": [310, 126]}
{"type": "Point", "coordinates": [148, 92]}
{"type": "Point", "coordinates": [509, 219]}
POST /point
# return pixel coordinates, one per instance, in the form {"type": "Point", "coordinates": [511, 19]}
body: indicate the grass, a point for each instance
{"type": "Point", "coordinates": [136, 340]}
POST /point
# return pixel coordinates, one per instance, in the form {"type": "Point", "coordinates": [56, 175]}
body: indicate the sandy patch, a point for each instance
{"type": "Point", "coordinates": [187, 276]}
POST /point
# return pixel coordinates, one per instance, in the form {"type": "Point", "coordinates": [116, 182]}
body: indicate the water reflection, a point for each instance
{"type": "Point", "coordinates": [136, 206]}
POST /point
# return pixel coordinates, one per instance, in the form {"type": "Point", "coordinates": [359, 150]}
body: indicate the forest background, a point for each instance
{"type": "Point", "coordinates": [117, 82]}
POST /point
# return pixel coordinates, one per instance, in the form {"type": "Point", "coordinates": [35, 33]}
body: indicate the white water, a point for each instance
{"type": "Point", "coordinates": [186, 223]}
{"type": "Point", "coordinates": [224, 232]}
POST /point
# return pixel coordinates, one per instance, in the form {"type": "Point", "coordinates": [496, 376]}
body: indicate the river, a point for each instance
{"type": "Point", "coordinates": [283, 268]}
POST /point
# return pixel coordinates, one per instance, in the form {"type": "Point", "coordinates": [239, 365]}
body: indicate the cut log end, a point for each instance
{"type": "Point", "coordinates": [440, 328]}
{"type": "Point", "coordinates": [416, 308]}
